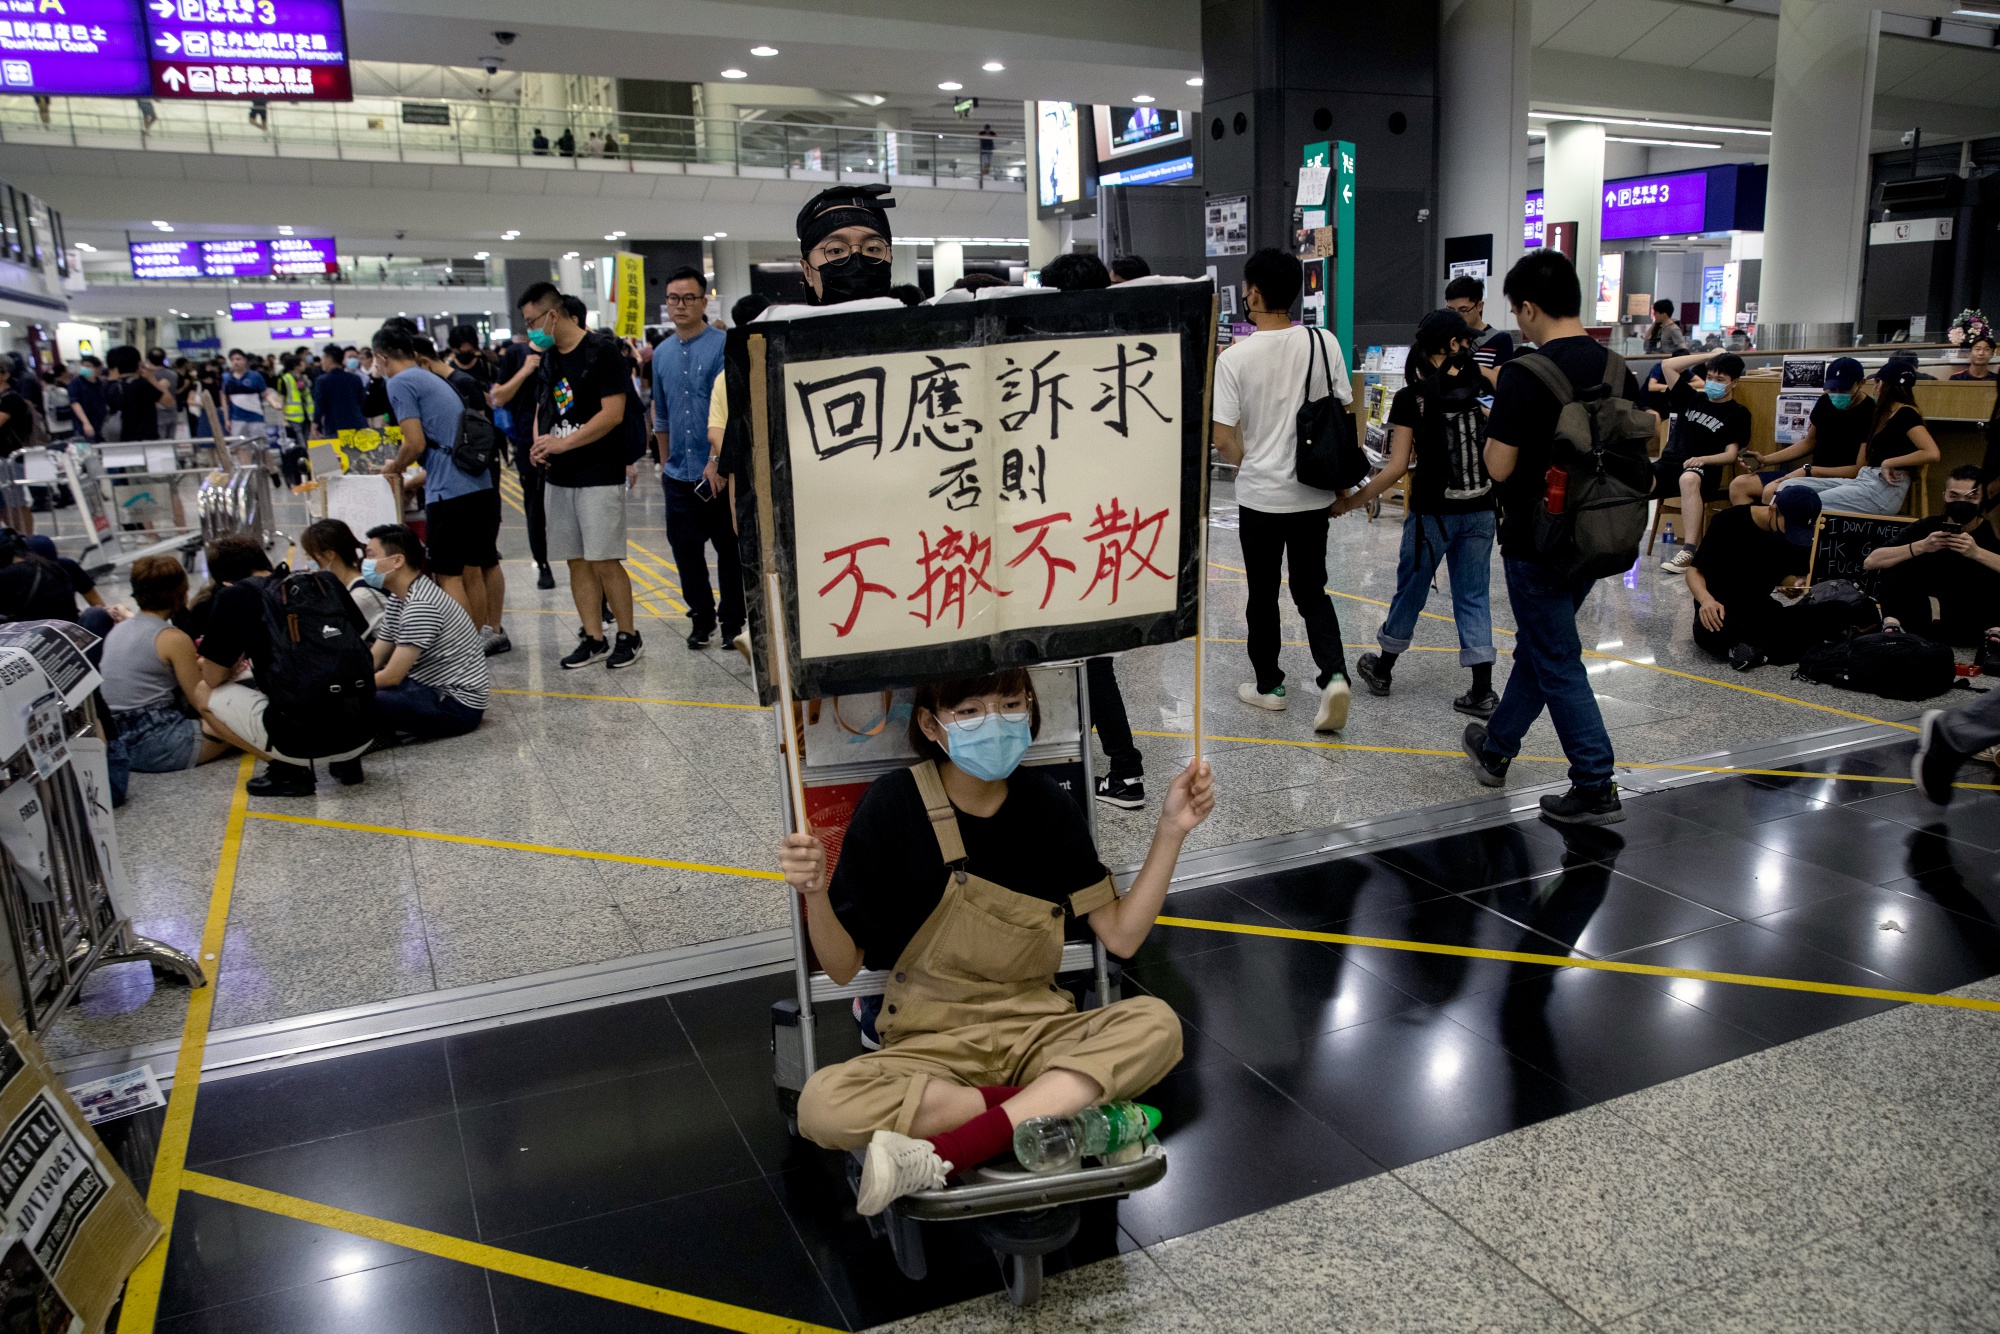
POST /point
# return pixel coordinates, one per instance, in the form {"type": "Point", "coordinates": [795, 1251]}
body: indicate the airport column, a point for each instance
{"type": "Point", "coordinates": [1484, 74]}
{"type": "Point", "coordinates": [1815, 208]}
{"type": "Point", "coordinates": [1573, 191]}
{"type": "Point", "coordinates": [732, 271]}
{"type": "Point", "coordinates": [947, 264]}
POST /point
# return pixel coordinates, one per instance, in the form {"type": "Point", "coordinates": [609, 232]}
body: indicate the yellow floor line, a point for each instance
{"type": "Point", "coordinates": [645, 1296]}
{"type": "Point", "coordinates": [571, 612]}
{"type": "Point", "coordinates": [1601, 965]}
{"type": "Point", "coordinates": [548, 849]}
{"type": "Point", "coordinates": [1337, 745]}
{"type": "Point", "coordinates": [142, 1290]}
{"type": "Point", "coordinates": [631, 699]}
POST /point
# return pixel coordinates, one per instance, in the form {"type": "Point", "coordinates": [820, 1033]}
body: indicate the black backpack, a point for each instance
{"type": "Point", "coordinates": [1602, 440]}
{"type": "Point", "coordinates": [322, 679]}
{"type": "Point", "coordinates": [1896, 665]}
{"type": "Point", "coordinates": [1329, 452]}
{"type": "Point", "coordinates": [1451, 433]}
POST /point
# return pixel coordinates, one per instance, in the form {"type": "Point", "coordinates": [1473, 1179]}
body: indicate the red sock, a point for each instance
{"type": "Point", "coordinates": [995, 1094]}
{"type": "Point", "coordinates": [985, 1136]}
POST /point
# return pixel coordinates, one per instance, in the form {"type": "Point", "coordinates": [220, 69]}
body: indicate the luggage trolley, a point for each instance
{"type": "Point", "coordinates": [1022, 1216]}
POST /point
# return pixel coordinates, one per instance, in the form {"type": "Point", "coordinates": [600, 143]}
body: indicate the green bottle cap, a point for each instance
{"type": "Point", "coordinates": [1152, 1117]}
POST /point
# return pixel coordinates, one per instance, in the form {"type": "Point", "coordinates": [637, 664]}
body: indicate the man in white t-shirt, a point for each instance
{"type": "Point", "coordinates": [1260, 385]}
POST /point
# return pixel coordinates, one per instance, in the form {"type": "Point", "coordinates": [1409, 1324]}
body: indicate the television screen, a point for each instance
{"type": "Point", "coordinates": [1058, 154]}
{"type": "Point", "coordinates": [1135, 129]}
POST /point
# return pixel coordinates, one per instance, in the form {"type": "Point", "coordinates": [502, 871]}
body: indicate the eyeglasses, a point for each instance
{"type": "Point", "coordinates": [832, 252]}
{"type": "Point", "coordinates": [972, 715]}
{"type": "Point", "coordinates": [685, 298]}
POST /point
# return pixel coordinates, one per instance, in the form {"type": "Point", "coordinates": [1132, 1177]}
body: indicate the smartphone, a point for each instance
{"type": "Point", "coordinates": [703, 491]}
{"type": "Point", "coordinates": [1486, 401]}
{"type": "Point", "coordinates": [1950, 527]}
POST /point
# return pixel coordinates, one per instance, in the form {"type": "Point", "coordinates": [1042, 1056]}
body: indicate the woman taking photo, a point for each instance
{"type": "Point", "coordinates": [151, 676]}
{"type": "Point", "coordinates": [1898, 444]}
{"type": "Point", "coordinates": [961, 877]}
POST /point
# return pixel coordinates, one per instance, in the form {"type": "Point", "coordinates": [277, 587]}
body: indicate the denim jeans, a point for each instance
{"type": "Point", "coordinates": [1548, 672]}
{"type": "Point", "coordinates": [418, 710]}
{"type": "Point", "coordinates": [1465, 543]}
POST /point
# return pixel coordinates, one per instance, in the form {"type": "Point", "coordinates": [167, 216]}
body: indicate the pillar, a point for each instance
{"type": "Point", "coordinates": [1484, 71]}
{"type": "Point", "coordinates": [1573, 190]}
{"type": "Point", "coordinates": [1815, 208]}
{"type": "Point", "coordinates": [903, 264]}
{"type": "Point", "coordinates": [731, 259]}
{"type": "Point", "coordinates": [947, 263]}
{"type": "Point", "coordinates": [569, 276]}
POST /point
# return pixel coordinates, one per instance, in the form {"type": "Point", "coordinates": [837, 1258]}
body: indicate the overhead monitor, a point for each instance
{"type": "Point", "coordinates": [1152, 173]}
{"type": "Point", "coordinates": [1059, 173]}
{"type": "Point", "coordinates": [80, 48]}
{"type": "Point", "coordinates": [242, 312]}
{"type": "Point", "coordinates": [238, 257]}
{"type": "Point", "coordinates": [248, 50]}
{"type": "Point", "coordinates": [1136, 129]}
{"type": "Point", "coordinates": [166, 259]}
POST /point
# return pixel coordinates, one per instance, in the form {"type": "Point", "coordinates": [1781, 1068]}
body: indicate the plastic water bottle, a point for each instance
{"type": "Point", "coordinates": [1052, 1143]}
{"type": "Point", "coordinates": [1667, 534]}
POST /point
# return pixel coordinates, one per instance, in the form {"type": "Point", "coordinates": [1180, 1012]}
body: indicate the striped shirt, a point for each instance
{"type": "Point", "coordinates": [452, 661]}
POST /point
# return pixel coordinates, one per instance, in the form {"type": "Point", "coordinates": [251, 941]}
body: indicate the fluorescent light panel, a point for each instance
{"type": "Point", "coordinates": [1648, 124]}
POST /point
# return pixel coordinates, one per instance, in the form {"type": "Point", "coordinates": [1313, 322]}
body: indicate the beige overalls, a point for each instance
{"type": "Point", "coordinates": [973, 1000]}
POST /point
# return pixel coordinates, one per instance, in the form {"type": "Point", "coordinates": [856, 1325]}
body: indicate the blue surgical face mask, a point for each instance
{"type": "Point", "coordinates": [371, 575]}
{"type": "Point", "coordinates": [989, 746]}
{"type": "Point", "coordinates": [87, 372]}
{"type": "Point", "coordinates": [354, 363]}
{"type": "Point", "coordinates": [1841, 401]}
{"type": "Point", "coordinates": [541, 340]}
{"type": "Point", "coordinates": [1716, 390]}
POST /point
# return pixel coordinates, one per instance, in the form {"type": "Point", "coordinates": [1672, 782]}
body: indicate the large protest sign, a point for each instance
{"type": "Point", "coordinates": [956, 488]}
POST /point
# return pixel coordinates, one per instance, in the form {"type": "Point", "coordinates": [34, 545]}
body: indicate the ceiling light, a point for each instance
{"type": "Point", "coordinates": [618, 233]}
{"type": "Point", "coordinates": [993, 67]}
{"type": "Point", "coordinates": [763, 50]}
{"type": "Point", "coordinates": [950, 86]}
{"type": "Point", "coordinates": [1195, 82]}
{"type": "Point", "coordinates": [218, 312]}
{"type": "Point", "coordinates": [611, 236]}
{"type": "Point", "coordinates": [284, 231]}
{"type": "Point", "coordinates": [482, 254]}
{"type": "Point", "coordinates": [1648, 124]}
{"type": "Point", "coordinates": [721, 235]}
{"type": "Point", "coordinates": [1664, 143]}
{"type": "Point", "coordinates": [163, 226]}
{"type": "Point", "coordinates": [735, 74]}
{"type": "Point", "coordinates": [571, 254]}
{"type": "Point", "coordinates": [1142, 98]}
{"type": "Point", "coordinates": [1975, 14]}
{"type": "Point", "coordinates": [86, 247]}
{"type": "Point", "coordinates": [708, 238]}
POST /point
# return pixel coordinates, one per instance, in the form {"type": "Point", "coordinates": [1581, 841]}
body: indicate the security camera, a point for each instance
{"type": "Point", "coordinates": [491, 64]}
{"type": "Point", "coordinates": [1909, 137]}
{"type": "Point", "coordinates": [505, 38]}
{"type": "Point", "coordinates": [399, 235]}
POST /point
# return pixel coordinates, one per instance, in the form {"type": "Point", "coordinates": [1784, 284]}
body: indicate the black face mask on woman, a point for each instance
{"type": "Point", "coordinates": [853, 278]}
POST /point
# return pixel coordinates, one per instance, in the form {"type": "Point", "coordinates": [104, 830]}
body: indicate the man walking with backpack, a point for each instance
{"type": "Point", "coordinates": [1553, 549]}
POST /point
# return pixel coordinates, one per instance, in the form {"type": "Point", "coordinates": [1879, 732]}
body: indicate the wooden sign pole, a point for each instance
{"type": "Point", "coordinates": [1201, 584]}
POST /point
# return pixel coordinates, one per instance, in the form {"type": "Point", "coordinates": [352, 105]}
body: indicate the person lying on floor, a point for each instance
{"type": "Point", "coordinates": [1748, 552]}
{"type": "Point", "coordinates": [961, 877]}
{"type": "Point", "coordinates": [1941, 576]}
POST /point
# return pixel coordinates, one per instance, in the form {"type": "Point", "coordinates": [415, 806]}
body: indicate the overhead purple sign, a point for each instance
{"type": "Point", "coordinates": [166, 259]}
{"type": "Point", "coordinates": [1654, 206]}
{"type": "Point", "coordinates": [84, 48]}
{"type": "Point", "coordinates": [294, 50]}
{"type": "Point", "coordinates": [300, 333]}
{"type": "Point", "coordinates": [1531, 230]}
{"type": "Point", "coordinates": [304, 254]}
{"type": "Point", "coordinates": [234, 259]}
{"type": "Point", "coordinates": [282, 256]}
{"type": "Point", "coordinates": [247, 311]}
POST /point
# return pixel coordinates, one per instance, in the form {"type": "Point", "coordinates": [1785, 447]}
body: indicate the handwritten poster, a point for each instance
{"type": "Point", "coordinates": [1019, 485]}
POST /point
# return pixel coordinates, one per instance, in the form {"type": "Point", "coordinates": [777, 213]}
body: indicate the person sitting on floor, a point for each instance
{"type": "Point", "coordinates": [1709, 429]}
{"type": "Point", "coordinates": [1898, 444]}
{"type": "Point", "coordinates": [331, 545]}
{"type": "Point", "coordinates": [961, 876]}
{"type": "Point", "coordinates": [1950, 562]}
{"type": "Point", "coordinates": [1749, 551]}
{"type": "Point", "coordinates": [1831, 446]}
{"type": "Point", "coordinates": [150, 670]}
{"type": "Point", "coordinates": [430, 668]}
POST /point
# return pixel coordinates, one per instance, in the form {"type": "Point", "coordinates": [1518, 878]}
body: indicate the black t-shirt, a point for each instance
{"type": "Point", "coordinates": [1893, 440]}
{"type": "Point", "coordinates": [32, 589]}
{"type": "Point", "coordinates": [14, 433]}
{"type": "Point", "coordinates": [137, 400]}
{"type": "Point", "coordinates": [891, 875]}
{"type": "Point", "coordinates": [573, 389]}
{"type": "Point", "coordinates": [1432, 469]}
{"type": "Point", "coordinates": [1524, 416]}
{"type": "Point", "coordinates": [1705, 427]}
{"type": "Point", "coordinates": [470, 391]}
{"type": "Point", "coordinates": [1838, 432]}
{"type": "Point", "coordinates": [235, 628]}
{"type": "Point", "coordinates": [1740, 560]}
{"type": "Point", "coordinates": [478, 370]}
{"type": "Point", "coordinates": [1983, 535]}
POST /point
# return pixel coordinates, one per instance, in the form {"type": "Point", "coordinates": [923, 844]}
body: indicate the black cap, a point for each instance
{"type": "Point", "coordinates": [843, 206]}
{"type": "Point", "coordinates": [1436, 330]}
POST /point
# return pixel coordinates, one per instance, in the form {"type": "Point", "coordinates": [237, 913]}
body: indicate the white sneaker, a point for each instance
{"type": "Point", "coordinates": [1678, 562]}
{"type": "Point", "coordinates": [1249, 694]}
{"type": "Point", "coordinates": [1333, 702]}
{"type": "Point", "coordinates": [895, 1166]}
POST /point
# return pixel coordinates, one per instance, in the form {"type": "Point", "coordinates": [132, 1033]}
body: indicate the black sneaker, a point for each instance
{"type": "Point", "coordinates": [587, 651]}
{"type": "Point", "coordinates": [282, 780]}
{"type": "Point", "coordinates": [1488, 768]}
{"type": "Point", "coordinates": [1368, 668]}
{"type": "Point", "coordinates": [1475, 704]}
{"type": "Point", "coordinates": [1127, 794]}
{"type": "Point", "coordinates": [348, 771]}
{"type": "Point", "coordinates": [1935, 764]}
{"type": "Point", "coordinates": [630, 649]}
{"type": "Point", "coordinates": [545, 577]}
{"type": "Point", "coordinates": [698, 637]}
{"type": "Point", "coordinates": [1585, 805]}
{"type": "Point", "coordinates": [866, 1010]}
{"type": "Point", "coordinates": [498, 642]}
{"type": "Point", "coordinates": [1746, 657]}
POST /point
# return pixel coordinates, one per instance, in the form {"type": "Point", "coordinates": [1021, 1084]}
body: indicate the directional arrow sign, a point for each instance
{"type": "Point", "coordinates": [1347, 193]}
{"type": "Point", "coordinates": [167, 42]}
{"type": "Point", "coordinates": [164, 8]}
{"type": "Point", "coordinates": [173, 78]}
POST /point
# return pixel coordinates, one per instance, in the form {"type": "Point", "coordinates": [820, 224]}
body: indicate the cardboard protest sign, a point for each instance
{"type": "Point", "coordinates": [957, 488]}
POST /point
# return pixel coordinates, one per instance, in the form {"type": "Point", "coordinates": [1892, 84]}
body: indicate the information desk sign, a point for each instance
{"type": "Point", "coordinates": [82, 48]}
{"type": "Point", "coordinates": [959, 488]}
{"type": "Point", "coordinates": [238, 50]}
{"type": "Point", "coordinates": [166, 259]}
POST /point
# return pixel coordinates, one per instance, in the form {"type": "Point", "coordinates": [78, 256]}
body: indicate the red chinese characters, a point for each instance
{"type": "Point", "coordinates": [953, 568]}
{"type": "Point", "coordinates": [862, 588]}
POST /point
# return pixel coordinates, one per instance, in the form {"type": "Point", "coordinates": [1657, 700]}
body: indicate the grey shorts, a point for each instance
{"type": "Point", "coordinates": [585, 522]}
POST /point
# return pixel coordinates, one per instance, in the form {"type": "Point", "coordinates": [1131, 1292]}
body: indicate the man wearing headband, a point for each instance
{"type": "Point", "coordinates": [844, 243]}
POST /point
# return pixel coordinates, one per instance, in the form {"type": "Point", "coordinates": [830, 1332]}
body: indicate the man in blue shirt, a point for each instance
{"type": "Point", "coordinates": [685, 365]}
{"type": "Point", "coordinates": [461, 508]}
{"type": "Point", "coordinates": [338, 392]}
{"type": "Point", "coordinates": [244, 389]}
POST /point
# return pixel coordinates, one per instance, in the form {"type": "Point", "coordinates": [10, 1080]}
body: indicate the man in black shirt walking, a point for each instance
{"type": "Point", "coordinates": [1548, 667]}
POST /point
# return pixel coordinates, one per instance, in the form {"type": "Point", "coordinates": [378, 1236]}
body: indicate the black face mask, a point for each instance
{"type": "Point", "coordinates": [1961, 512]}
{"type": "Point", "coordinates": [854, 278]}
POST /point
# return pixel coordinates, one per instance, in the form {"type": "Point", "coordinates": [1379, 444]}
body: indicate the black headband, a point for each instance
{"type": "Point", "coordinates": [844, 206]}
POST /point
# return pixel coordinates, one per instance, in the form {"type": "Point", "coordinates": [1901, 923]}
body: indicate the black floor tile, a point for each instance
{"type": "Point", "coordinates": [734, 1014]}
{"type": "Point", "coordinates": [412, 1172]}
{"type": "Point", "coordinates": [414, 1293]}
{"type": "Point", "coordinates": [253, 1113]}
{"type": "Point", "coordinates": [1727, 804]}
{"type": "Point", "coordinates": [1876, 851]}
{"type": "Point", "coordinates": [1415, 1085]}
{"type": "Point", "coordinates": [134, 1141]}
{"type": "Point", "coordinates": [1454, 919]}
{"type": "Point", "coordinates": [1596, 911]}
{"type": "Point", "coordinates": [1891, 760]}
{"type": "Point", "coordinates": [1644, 826]}
{"type": "Point", "coordinates": [567, 1051]}
{"type": "Point", "coordinates": [1603, 1034]}
{"type": "Point", "coordinates": [559, 1157]}
{"type": "Point", "coordinates": [522, 1306]}
{"type": "Point", "coordinates": [1323, 897]}
{"type": "Point", "coordinates": [1212, 903]}
{"type": "Point", "coordinates": [1920, 946]}
{"type": "Point", "coordinates": [1774, 1014]}
{"type": "Point", "coordinates": [1970, 817]}
{"type": "Point", "coordinates": [742, 1076]}
{"type": "Point", "coordinates": [1731, 874]}
{"type": "Point", "coordinates": [1478, 858]}
{"type": "Point", "coordinates": [731, 1244]}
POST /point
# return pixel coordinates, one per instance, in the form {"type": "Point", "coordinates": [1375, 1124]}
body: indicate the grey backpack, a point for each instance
{"type": "Point", "coordinates": [1601, 442]}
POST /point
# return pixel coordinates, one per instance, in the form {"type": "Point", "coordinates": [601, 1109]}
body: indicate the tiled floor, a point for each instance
{"type": "Point", "coordinates": [1359, 1137]}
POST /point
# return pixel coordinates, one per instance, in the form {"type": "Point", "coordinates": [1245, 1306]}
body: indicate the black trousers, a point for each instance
{"type": "Point", "coordinates": [534, 481]}
{"type": "Point", "coordinates": [1968, 596]}
{"type": "Point", "coordinates": [1107, 715]}
{"type": "Point", "coordinates": [1298, 543]}
{"type": "Point", "coordinates": [1782, 633]}
{"type": "Point", "coordinates": [692, 525]}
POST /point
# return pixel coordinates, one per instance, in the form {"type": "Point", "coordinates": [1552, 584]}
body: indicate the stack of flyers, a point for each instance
{"type": "Point", "coordinates": [120, 1095]}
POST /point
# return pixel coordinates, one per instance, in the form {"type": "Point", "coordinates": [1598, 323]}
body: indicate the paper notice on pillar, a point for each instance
{"type": "Point", "coordinates": [59, 646]}
{"type": "Point", "coordinates": [93, 780]}
{"type": "Point", "coordinates": [48, 746]}
{"type": "Point", "coordinates": [1312, 186]}
{"type": "Point", "coordinates": [24, 833]}
{"type": "Point", "coordinates": [1794, 417]}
